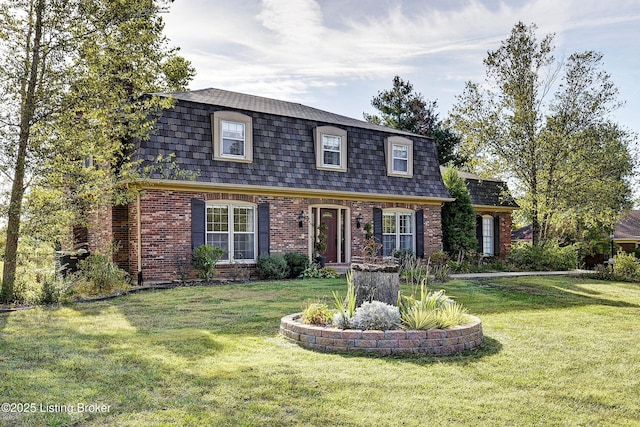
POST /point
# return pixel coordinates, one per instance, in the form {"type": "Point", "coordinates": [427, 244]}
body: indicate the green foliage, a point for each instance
{"type": "Point", "coordinates": [98, 275]}
{"type": "Point", "coordinates": [205, 258]}
{"type": "Point", "coordinates": [431, 310]}
{"type": "Point", "coordinates": [572, 164]}
{"type": "Point", "coordinates": [458, 217]}
{"type": "Point", "coordinates": [320, 245]}
{"type": "Point", "coordinates": [75, 75]}
{"type": "Point", "coordinates": [403, 108]}
{"type": "Point", "coordinates": [297, 263]}
{"type": "Point", "coordinates": [375, 315]}
{"type": "Point", "coordinates": [317, 314]}
{"type": "Point", "coordinates": [319, 273]}
{"type": "Point", "coordinates": [549, 257]}
{"type": "Point", "coordinates": [345, 308]}
{"type": "Point", "coordinates": [272, 267]}
{"type": "Point", "coordinates": [626, 267]}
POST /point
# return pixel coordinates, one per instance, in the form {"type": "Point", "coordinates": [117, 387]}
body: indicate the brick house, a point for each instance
{"type": "Point", "coordinates": [266, 173]}
{"type": "Point", "coordinates": [493, 205]}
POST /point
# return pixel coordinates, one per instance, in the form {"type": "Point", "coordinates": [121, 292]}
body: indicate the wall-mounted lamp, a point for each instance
{"type": "Point", "coordinates": [301, 217]}
{"type": "Point", "coordinates": [359, 220]}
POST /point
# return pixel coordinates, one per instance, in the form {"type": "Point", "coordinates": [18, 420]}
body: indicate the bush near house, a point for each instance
{"type": "Point", "coordinates": [548, 257]}
{"type": "Point", "coordinates": [297, 263]}
{"type": "Point", "coordinates": [205, 258]}
{"type": "Point", "coordinates": [272, 267]}
{"type": "Point", "coordinates": [626, 267]}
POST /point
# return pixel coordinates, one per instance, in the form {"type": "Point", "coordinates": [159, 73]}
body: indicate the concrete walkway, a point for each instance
{"type": "Point", "coordinates": [499, 274]}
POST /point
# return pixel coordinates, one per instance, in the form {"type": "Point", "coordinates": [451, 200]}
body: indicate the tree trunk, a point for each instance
{"type": "Point", "coordinates": [27, 113]}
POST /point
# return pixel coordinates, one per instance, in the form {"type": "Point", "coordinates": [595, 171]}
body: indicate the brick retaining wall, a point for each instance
{"type": "Point", "coordinates": [435, 342]}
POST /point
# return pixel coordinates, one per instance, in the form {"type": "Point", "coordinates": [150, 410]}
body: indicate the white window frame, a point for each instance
{"type": "Point", "coordinates": [390, 143]}
{"type": "Point", "coordinates": [319, 134]}
{"type": "Point", "coordinates": [231, 232]}
{"type": "Point", "coordinates": [488, 236]}
{"type": "Point", "coordinates": [218, 119]}
{"type": "Point", "coordinates": [398, 233]}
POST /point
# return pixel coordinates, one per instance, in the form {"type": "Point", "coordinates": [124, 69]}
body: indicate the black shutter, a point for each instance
{"type": "Point", "coordinates": [377, 227]}
{"type": "Point", "coordinates": [420, 233]}
{"type": "Point", "coordinates": [479, 233]}
{"type": "Point", "coordinates": [496, 235]}
{"type": "Point", "coordinates": [263, 229]}
{"type": "Point", "coordinates": [197, 223]}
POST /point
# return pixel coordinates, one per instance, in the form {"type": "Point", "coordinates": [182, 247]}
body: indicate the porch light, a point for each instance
{"type": "Point", "coordinates": [359, 220]}
{"type": "Point", "coordinates": [301, 217]}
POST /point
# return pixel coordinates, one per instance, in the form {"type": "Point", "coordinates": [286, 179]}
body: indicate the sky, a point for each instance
{"type": "Point", "coordinates": [336, 55]}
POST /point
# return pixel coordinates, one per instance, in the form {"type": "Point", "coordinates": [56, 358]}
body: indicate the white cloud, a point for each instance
{"type": "Point", "coordinates": [288, 49]}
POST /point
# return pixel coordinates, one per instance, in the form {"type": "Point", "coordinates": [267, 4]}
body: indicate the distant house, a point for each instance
{"type": "Point", "coordinates": [267, 174]}
{"type": "Point", "coordinates": [627, 231]}
{"type": "Point", "coordinates": [494, 205]}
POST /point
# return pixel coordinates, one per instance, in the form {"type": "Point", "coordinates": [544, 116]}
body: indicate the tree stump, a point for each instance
{"type": "Point", "coordinates": [375, 282]}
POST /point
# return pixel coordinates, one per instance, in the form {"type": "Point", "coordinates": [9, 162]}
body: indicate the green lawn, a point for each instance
{"type": "Point", "coordinates": [558, 351]}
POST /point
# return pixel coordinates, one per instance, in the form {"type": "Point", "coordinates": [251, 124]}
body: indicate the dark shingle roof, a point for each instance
{"type": "Point", "coordinates": [488, 191]}
{"type": "Point", "coordinates": [283, 148]}
{"type": "Point", "coordinates": [628, 227]}
{"type": "Point", "coordinates": [241, 101]}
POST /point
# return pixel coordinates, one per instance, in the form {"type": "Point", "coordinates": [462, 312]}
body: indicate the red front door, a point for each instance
{"type": "Point", "coordinates": [330, 217]}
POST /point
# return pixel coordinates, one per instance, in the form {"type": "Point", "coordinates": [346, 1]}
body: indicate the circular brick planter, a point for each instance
{"type": "Point", "coordinates": [435, 342]}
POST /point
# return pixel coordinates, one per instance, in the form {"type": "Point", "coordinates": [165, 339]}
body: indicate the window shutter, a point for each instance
{"type": "Point", "coordinates": [197, 223]}
{"type": "Point", "coordinates": [479, 234]}
{"type": "Point", "coordinates": [263, 229]}
{"type": "Point", "coordinates": [496, 235]}
{"type": "Point", "coordinates": [377, 227]}
{"type": "Point", "coordinates": [420, 233]}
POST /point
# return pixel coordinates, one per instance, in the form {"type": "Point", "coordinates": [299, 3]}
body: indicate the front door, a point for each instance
{"type": "Point", "coordinates": [330, 217]}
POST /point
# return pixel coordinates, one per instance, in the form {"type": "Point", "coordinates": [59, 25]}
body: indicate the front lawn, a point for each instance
{"type": "Point", "coordinates": [558, 351]}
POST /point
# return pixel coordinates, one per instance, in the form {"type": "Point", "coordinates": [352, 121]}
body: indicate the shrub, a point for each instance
{"type": "Point", "coordinates": [205, 258]}
{"type": "Point", "coordinates": [297, 263]}
{"type": "Point", "coordinates": [320, 273]}
{"type": "Point", "coordinates": [52, 289]}
{"type": "Point", "coordinates": [272, 267]}
{"type": "Point", "coordinates": [550, 256]}
{"type": "Point", "coordinates": [346, 308]}
{"type": "Point", "coordinates": [626, 267]}
{"type": "Point", "coordinates": [431, 310]}
{"type": "Point", "coordinates": [441, 273]}
{"type": "Point", "coordinates": [376, 315]}
{"type": "Point", "coordinates": [98, 275]}
{"type": "Point", "coordinates": [317, 314]}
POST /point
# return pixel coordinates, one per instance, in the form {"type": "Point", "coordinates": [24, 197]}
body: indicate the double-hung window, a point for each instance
{"type": "Point", "coordinates": [487, 236]}
{"type": "Point", "coordinates": [232, 227]}
{"type": "Point", "coordinates": [399, 154]}
{"type": "Point", "coordinates": [397, 232]}
{"type": "Point", "coordinates": [331, 148]}
{"type": "Point", "coordinates": [233, 139]}
{"type": "Point", "coordinates": [232, 136]}
{"type": "Point", "coordinates": [331, 151]}
{"type": "Point", "coordinates": [400, 158]}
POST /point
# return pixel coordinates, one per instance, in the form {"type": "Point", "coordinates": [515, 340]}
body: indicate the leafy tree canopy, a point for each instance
{"type": "Point", "coordinates": [73, 79]}
{"type": "Point", "coordinates": [546, 126]}
{"type": "Point", "coordinates": [405, 109]}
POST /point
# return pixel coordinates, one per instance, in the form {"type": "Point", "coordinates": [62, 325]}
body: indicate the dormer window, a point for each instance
{"type": "Point", "coordinates": [233, 139]}
{"type": "Point", "coordinates": [399, 155]}
{"type": "Point", "coordinates": [232, 136]}
{"type": "Point", "coordinates": [331, 148]}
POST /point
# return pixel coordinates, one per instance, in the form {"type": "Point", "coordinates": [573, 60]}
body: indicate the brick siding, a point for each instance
{"type": "Point", "coordinates": [166, 228]}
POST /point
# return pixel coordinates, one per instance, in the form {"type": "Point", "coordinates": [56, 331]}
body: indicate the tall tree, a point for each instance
{"type": "Point", "coordinates": [405, 109]}
{"type": "Point", "coordinates": [73, 78]}
{"type": "Point", "coordinates": [458, 217]}
{"type": "Point", "coordinates": [567, 158]}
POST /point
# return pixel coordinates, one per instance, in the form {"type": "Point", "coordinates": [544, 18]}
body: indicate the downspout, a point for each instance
{"type": "Point", "coordinates": [139, 238]}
